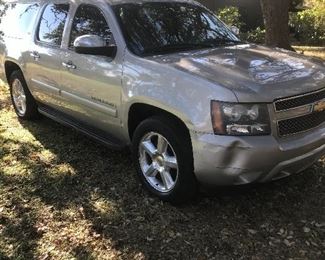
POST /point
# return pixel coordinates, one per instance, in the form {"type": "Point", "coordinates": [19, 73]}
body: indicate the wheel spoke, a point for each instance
{"type": "Point", "coordinates": [19, 105]}
{"type": "Point", "coordinates": [15, 100]}
{"type": "Point", "coordinates": [162, 144]}
{"type": "Point", "coordinates": [171, 162]}
{"type": "Point", "coordinates": [23, 105]}
{"type": "Point", "coordinates": [149, 148]}
{"type": "Point", "coordinates": [14, 91]}
{"type": "Point", "coordinates": [151, 171]}
{"type": "Point", "coordinates": [167, 179]}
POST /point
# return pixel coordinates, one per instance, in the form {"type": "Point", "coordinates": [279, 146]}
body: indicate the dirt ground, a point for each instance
{"type": "Point", "coordinates": [63, 196]}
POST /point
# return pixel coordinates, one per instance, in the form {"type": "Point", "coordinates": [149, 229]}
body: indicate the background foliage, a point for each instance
{"type": "Point", "coordinates": [231, 16]}
{"type": "Point", "coordinates": [307, 22]}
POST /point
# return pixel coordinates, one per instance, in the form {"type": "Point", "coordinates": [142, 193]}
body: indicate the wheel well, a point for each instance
{"type": "Point", "coordinates": [10, 67]}
{"type": "Point", "coordinates": [140, 112]}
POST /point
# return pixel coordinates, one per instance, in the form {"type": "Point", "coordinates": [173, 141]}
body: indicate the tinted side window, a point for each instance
{"type": "Point", "coordinates": [18, 19]}
{"type": "Point", "coordinates": [52, 23]}
{"type": "Point", "coordinates": [89, 20]}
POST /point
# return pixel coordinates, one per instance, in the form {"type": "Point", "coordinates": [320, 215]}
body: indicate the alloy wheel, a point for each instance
{"type": "Point", "coordinates": [158, 162]}
{"type": "Point", "coordinates": [19, 97]}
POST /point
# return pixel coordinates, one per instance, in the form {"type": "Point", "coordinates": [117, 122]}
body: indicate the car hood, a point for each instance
{"type": "Point", "coordinates": [254, 73]}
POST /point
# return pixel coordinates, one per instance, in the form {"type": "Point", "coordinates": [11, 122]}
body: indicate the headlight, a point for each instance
{"type": "Point", "coordinates": [240, 119]}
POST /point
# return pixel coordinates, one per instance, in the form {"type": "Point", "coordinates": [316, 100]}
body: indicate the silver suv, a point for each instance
{"type": "Point", "coordinates": [170, 80]}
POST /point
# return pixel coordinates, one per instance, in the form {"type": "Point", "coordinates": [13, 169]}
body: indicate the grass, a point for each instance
{"type": "Point", "coordinates": [318, 52]}
{"type": "Point", "coordinates": [62, 196]}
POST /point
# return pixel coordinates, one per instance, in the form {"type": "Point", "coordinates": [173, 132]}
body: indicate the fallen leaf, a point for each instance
{"type": "Point", "coordinates": [252, 231]}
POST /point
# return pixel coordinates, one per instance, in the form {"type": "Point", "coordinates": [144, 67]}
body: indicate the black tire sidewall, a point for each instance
{"type": "Point", "coordinates": [186, 185]}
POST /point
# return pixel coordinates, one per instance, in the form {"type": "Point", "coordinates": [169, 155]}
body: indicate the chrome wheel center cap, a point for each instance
{"type": "Point", "coordinates": [160, 161]}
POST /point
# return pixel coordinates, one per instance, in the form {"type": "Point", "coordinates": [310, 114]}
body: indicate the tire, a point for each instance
{"type": "Point", "coordinates": [24, 104]}
{"type": "Point", "coordinates": [156, 168]}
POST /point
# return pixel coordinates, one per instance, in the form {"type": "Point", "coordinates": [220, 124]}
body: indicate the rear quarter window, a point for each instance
{"type": "Point", "coordinates": [52, 24]}
{"type": "Point", "coordinates": [18, 20]}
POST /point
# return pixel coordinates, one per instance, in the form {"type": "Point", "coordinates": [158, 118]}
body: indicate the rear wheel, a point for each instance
{"type": "Point", "coordinates": [22, 100]}
{"type": "Point", "coordinates": [163, 156]}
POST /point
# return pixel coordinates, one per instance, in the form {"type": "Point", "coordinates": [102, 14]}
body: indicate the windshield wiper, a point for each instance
{"type": "Point", "coordinates": [189, 46]}
{"type": "Point", "coordinates": [223, 41]}
{"type": "Point", "coordinates": [177, 47]}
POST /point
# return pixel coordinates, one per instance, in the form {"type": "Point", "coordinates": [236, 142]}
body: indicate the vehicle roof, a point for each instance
{"type": "Point", "coordinates": [111, 2]}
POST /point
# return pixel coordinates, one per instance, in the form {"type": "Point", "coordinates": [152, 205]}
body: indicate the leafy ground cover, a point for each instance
{"type": "Point", "coordinates": [63, 196]}
{"type": "Point", "coordinates": [318, 52]}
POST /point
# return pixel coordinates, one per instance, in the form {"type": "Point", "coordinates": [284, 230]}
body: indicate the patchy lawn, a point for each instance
{"type": "Point", "coordinates": [318, 52]}
{"type": "Point", "coordinates": [62, 196]}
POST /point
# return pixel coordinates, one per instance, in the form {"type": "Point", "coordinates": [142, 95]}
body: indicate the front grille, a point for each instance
{"type": "Point", "coordinates": [301, 124]}
{"type": "Point", "coordinates": [298, 101]}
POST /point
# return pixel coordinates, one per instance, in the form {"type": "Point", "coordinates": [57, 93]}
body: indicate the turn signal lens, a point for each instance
{"type": "Point", "coordinates": [217, 118]}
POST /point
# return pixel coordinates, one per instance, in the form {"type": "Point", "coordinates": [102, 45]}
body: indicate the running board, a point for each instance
{"type": "Point", "coordinates": [98, 135]}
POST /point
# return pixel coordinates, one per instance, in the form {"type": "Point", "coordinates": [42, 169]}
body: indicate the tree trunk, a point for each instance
{"type": "Point", "coordinates": [276, 19]}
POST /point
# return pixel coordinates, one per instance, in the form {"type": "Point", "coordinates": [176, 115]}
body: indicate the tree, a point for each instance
{"type": "Point", "coordinates": [276, 19]}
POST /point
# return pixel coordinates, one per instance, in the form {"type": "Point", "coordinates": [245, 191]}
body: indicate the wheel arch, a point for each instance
{"type": "Point", "coordinates": [139, 111]}
{"type": "Point", "coordinates": [10, 67]}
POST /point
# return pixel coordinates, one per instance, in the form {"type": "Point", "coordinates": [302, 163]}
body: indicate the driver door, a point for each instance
{"type": "Point", "coordinates": [91, 84]}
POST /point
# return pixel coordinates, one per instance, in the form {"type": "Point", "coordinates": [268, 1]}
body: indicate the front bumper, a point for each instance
{"type": "Point", "coordinates": [228, 160]}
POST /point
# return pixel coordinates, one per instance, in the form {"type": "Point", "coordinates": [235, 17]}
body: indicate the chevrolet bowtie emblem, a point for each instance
{"type": "Point", "coordinates": [320, 106]}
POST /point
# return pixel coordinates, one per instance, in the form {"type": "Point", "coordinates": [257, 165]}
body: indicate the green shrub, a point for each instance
{"type": "Point", "coordinates": [230, 15]}
{"type": "Point", "coordinates": [309, 24]}
{"type": "Point", "coordinates": [256, 36]}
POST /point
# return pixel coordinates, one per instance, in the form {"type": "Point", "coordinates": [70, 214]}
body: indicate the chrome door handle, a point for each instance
{"type": "Point", "coordinates": [35, 55]}
{"type": "Point", "coordinates": [69, 65]}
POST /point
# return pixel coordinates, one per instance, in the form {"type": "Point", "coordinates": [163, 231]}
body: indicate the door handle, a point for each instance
{"type": "Point", "coordinates": [35, 55]}
{"type": "Point", "coordinates": [69, 65]}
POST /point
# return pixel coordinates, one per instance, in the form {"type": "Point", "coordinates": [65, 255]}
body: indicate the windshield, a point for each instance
{"type": "Point", "coordinates": [165, 27]}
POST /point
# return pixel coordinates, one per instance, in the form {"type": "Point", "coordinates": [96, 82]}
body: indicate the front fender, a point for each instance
{"type": "Point", "coordinates": [177, 92]}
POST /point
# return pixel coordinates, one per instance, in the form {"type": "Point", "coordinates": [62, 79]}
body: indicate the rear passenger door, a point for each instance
{"type": "Point", "coordinates": [44, 65]}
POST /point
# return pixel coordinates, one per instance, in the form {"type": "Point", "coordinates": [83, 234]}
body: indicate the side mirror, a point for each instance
{"type": "Point", "coordinates": [94, 45]}
{"type": "Point", "coordinates": [235, 30]}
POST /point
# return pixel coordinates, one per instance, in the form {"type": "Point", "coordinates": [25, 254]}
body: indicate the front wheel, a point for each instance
{"type": "Point", "coordinates": [162, 152]}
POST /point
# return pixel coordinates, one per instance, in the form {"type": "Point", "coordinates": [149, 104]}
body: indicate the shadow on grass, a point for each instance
{"type": "Point", "coordinates": [228, 223]}
{"type": "Point", "coordinates": [19, 223]}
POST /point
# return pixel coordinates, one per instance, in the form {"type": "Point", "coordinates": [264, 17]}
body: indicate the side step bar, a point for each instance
{"type": "Point", "coordinates": [98, 135]}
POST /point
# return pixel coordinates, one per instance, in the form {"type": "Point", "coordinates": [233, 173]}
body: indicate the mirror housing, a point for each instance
{"type": "Point", "coordinates": [94, 45]}
{"type": "Point", "coordinates": [235, 30]}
